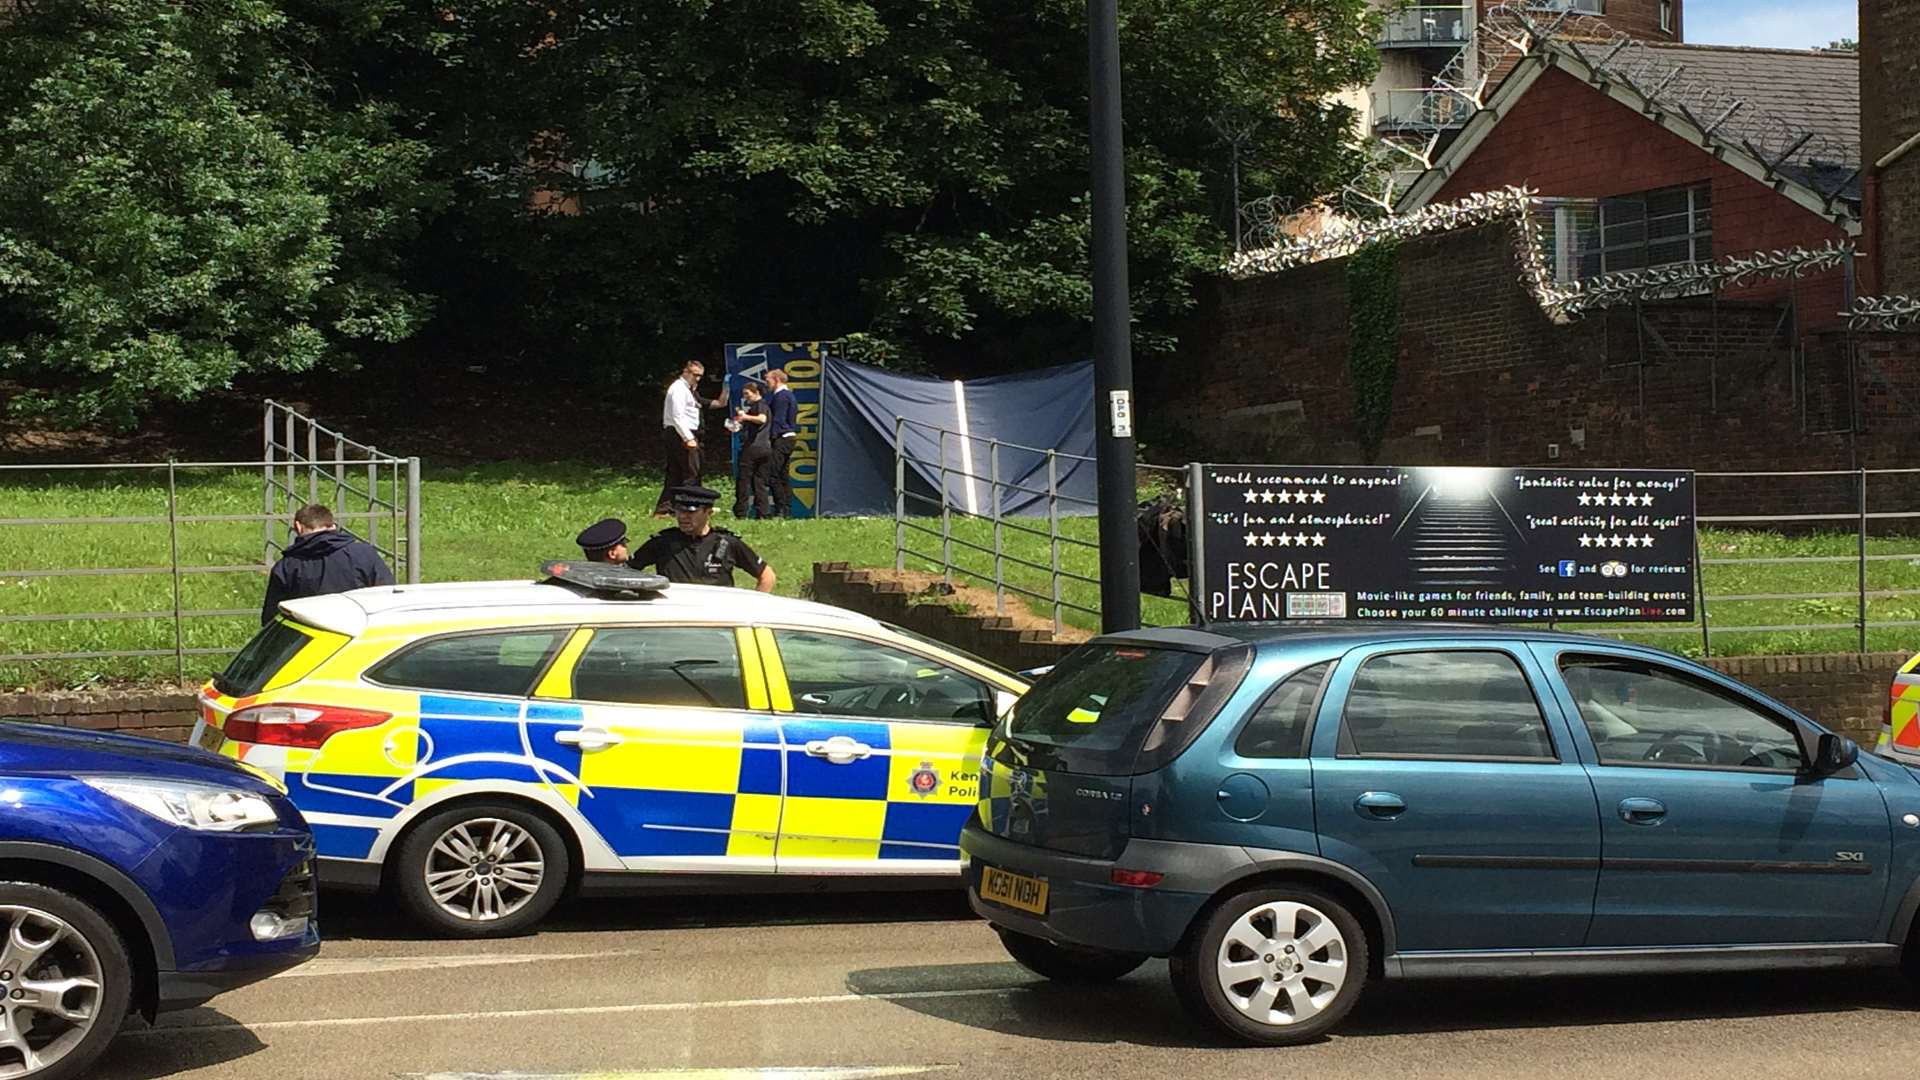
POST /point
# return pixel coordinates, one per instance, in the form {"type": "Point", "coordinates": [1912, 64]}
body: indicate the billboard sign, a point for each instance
{"type": "Point", "coordinates": [805, 365]}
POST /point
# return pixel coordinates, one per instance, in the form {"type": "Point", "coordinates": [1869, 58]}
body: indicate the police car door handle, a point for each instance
{"type": "Point", "coordinates": [589, 738]}
{"type": "Point", "coordinates": [839, 750]}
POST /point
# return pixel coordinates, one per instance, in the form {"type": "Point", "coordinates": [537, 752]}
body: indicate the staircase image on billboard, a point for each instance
{"type": "Point", "coordinates": [1458, 535]}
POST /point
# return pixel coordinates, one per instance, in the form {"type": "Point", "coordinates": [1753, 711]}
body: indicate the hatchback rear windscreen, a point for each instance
{"type": "Point", "coordinates": [266, 654]}
{"type": "Point", "coordinates": [1093, 713]}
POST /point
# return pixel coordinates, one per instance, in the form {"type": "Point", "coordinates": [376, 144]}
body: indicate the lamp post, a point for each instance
{"type": "Point", "coordinates": [1112, 332]}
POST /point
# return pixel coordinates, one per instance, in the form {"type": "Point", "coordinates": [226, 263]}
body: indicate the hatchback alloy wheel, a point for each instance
{"type": "Point", "coordinates": [1273, 966]}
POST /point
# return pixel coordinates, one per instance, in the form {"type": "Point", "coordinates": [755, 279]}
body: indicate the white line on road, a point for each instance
{"type": "Point", "coordinates": [800, 1073]}
{"type": "Point", "coordinates": [580, 1010]}
{"type": "Point", "coordinates": [374, 965]}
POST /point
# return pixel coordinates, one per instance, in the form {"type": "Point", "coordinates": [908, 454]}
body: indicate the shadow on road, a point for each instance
{"type": "Point", "coordinates": [138, 1054]}
{"type": "Point", "coordinates": [1141, 1009]}
{"type": "Point", "coordinates": [348, 917]}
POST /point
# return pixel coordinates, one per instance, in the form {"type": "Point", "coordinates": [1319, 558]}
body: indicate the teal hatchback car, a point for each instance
{"type": "Point", "coordinates": [1287, 812]}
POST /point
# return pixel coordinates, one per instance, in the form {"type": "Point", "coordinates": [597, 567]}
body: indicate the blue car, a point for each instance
{"type": "Point", "coordinates": [1289, 812]}
{"type": "Point", "coordinates": [135, 876]}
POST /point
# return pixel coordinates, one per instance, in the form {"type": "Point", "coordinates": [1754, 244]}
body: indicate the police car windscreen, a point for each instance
{"type": "Point", "coordinates": [1093, 713]}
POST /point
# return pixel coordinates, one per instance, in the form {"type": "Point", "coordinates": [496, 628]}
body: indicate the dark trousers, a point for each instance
{"type": "Point", "coordinates": [782, 491]}
{"type": "Point", "coordinates": [683, 465]}
{"type": "Point", "coordinates": [756, 467]}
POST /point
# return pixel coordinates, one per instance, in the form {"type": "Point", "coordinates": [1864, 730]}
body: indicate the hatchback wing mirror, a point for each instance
{"type": "Point", "coordinates": [1833, 753]}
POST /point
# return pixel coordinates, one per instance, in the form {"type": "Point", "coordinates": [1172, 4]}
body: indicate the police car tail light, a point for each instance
{"type": "Point", "coordinates": [304, 726]}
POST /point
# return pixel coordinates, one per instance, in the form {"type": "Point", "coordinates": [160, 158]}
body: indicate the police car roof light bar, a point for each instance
{"type": "Point", "coordinates": [604, 579]}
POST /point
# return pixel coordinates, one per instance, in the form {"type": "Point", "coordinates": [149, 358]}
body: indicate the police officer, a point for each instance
{"type": "Point", "coordinates": [694, 551]}
{"type": "Point", "coordinates": [604, 541]}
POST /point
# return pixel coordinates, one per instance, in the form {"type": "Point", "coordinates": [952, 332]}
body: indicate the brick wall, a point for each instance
{"type": "Point", "coordinates": [1566, 139]}
{"type": "Point", "coordinates": [1486, 378]}
{"type": "Point", "coordinates": [991, 637]}
{"type": "Point", "coordinates": [166, 715]}
{"type": "Point", "coordinates": [1635, 18]}
{"type": "Point", "coordinates": [1889, 115]}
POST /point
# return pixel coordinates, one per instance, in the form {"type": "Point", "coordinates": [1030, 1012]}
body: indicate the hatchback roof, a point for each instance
{"type": "Point", "coordinates": [1354, 631]}
{"type": "Point", "coordinates": [353, 612]}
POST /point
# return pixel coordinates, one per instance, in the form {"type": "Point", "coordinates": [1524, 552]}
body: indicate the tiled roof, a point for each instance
{"type": "Point", "coordinates": [1810, 91]}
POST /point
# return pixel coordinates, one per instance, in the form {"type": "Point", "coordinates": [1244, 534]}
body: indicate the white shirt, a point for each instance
{"type": "Point", "coordinates": [681, 411]}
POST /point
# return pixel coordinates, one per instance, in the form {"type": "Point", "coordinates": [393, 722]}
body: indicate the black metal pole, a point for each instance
{"type": "Point", "coordinates": [1112, 333]}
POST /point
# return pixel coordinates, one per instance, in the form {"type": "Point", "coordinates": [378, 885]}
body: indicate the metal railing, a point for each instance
{"type": "Point", "coordinates": [1428, 26]}
{"type": "Point", "coordinates": [1849, 486]}
{"type": "Point", "coordinates": [293, 472]}
{"type": "Point", "coordinates": [1430, 109]}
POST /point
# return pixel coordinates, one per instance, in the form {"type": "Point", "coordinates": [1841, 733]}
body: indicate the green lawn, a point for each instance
{"type": "Point", "coordinates": [500, 521]}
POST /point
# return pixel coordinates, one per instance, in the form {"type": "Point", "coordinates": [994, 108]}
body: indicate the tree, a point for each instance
{"type": "Point", "coordinates": [912, 170]}
{"type": "Point", "coordinates": [193, 191]}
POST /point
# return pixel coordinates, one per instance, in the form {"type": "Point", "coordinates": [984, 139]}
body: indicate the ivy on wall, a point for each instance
{"type": "Point", "coordinates": [1373, 339]}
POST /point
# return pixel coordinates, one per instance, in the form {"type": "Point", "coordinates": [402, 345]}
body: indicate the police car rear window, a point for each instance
{"type": "Point", "coordinates": [268, 652]}
{"type": "Point", "coordinates": [1093, 713]}
{"type": "Point", "coordinates": [503, 663]}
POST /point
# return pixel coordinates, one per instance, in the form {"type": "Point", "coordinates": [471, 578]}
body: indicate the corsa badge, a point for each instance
{"type": "Point", "coordinates": [925, 779]}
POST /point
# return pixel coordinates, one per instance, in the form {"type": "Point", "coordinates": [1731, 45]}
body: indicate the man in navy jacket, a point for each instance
{"type": "Point", "coordinates": [784, 429]}
{"type": "Point", "coordinates": [323, 558]}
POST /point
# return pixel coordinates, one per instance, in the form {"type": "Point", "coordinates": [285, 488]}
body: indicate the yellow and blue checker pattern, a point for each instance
{"type": "Point", "coordinates": [906, 800]}
{"type": "Point", "coordinates": [688, 785]}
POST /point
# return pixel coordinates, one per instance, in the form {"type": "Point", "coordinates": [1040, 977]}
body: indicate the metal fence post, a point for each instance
{"type": "Point", "coordinates": [173, 560]}
{"type": "Point", "coordinates": [946, 516]}
{"type": "Point", "coordinates": [313, 462]}
{"type": "Point", "coordinates": [373, 497]}
{"type": "Point", "coordinates": [1700, 586]}
{"type": "Point", "coordinates": [1863, 561]}
{"type": "Point", "coordinates": [339, 473]}
{"type": "Point", "coordinates": [266, 486]}
{"type": "Point", "coordinates": [1053, 534]}
{"type": "Point", "coordinates": [292, 456]}
{"type": "Point", "coordinates": [899, 493]}
{"type": "Point", "coordinates": [993, 491]}
{"type": "Point", "coordinates": [413, 521]}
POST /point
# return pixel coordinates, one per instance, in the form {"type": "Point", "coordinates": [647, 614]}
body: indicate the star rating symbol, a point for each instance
{"type": "Point", "coordinates": [1253, 496]}
{"type": "Point", "coordinates": [1286, 496]}
{"type": "Point", "coordinates": [1285, 540]}
{"type": "Point", "coordinates": [1616, 500]}
{"type": "Point", "coordinates": [1319, 540]}
{"type": "Point", "coordinates": [1646, 500]}
{"type": "Point", "coordinates": [1618, 541]}
{"type": "Point", "coordinates": [1266, 496]}
{"type": "Point", "coordinates": [1646, 541]}
{"type": "Point", "coordinates": [1267, 540]}
{"type": "Point", "coordinates": [1319, 496]}
{"type": "Point", "coordinates": [1586, 541]}
{"type": "Point", "coordinates": [1585, 499]}
{"type": "Point", "coordinates": [1301, 540]}
{"type": "Point", "coordinates": [1253, 539]}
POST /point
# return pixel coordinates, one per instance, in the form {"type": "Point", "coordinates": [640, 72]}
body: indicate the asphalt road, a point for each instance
{"type": "Point", "coordinates": [823, 987]}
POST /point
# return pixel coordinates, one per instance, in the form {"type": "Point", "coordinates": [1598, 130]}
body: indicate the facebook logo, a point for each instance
{"type": "Point", "coordinates": [1567, 567]}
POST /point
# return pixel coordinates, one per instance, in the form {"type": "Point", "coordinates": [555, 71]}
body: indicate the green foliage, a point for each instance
{"type": "Point", "coordinates": [189, 192]}
{"type": "Point", "coordinates": [1373, 339]}
{"type": "Point", "coordinates": [914, 171]}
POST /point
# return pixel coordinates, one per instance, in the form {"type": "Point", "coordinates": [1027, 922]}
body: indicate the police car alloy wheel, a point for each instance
{"type": "Point", "coordinates": [1273, 967]}
{"type": "Point", "coordinates": [65, 983]}
{"type": "Point", "coordinates": [481, 870]}
{"type": "Point", "coordinates": [1067, 963]}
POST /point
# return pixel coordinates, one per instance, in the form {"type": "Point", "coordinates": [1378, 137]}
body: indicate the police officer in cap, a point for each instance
{"type": "Point", "coordinates": [695, 551]}
{"type": "Point", "coordinates": [604, 541]}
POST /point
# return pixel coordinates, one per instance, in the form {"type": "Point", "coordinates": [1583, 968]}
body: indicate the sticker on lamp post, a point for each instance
{"type": "Point", "coordinates": [1120, 411]}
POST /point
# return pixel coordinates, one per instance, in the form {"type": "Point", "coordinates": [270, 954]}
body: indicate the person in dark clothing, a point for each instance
{"type": "Point", "coordinates": [783, 430]}
{"type": "Point", "coordinates": [323, 558]}
{"type": "Point", "coordinates": [604, 541]}
{"type": "Point", "coordinates": [756, 455]}
{"type": "Point", "coordinates": [697, 552]}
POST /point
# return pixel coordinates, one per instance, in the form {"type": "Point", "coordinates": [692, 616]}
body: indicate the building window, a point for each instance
{"type": "Point", "coordinates": [1666, 15]}
{"type": "Point", "coordinates": [1588, 237]}
{"type": "Point", "coordinates": [1590, 7]}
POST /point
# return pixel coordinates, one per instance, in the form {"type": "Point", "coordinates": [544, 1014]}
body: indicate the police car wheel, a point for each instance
{"type": "Point", "coordinates": [1273, 967]}
{"type": "Point", "coordinates": [1067, 963]}
{"type": "Point", "coordinates": [65, 982]}
{"type": "Point", "coordinates": [481, 870]}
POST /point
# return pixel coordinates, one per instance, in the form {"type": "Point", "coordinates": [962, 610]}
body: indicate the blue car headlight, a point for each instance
{"type": "Point", "coordinates": [206, 807]}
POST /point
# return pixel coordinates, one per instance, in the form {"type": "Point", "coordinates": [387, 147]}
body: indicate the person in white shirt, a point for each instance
{"type": "Point", "coordinates": [680, 430]}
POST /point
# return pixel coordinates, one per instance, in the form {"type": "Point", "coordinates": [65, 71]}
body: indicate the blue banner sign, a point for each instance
{"type": "Point", "coordinates": [805, 365]}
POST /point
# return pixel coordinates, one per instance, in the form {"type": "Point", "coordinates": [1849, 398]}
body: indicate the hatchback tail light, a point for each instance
{"type": "Point", "coordinates": [1135, 879]}
{"type": "Point", "coordinates": [304, 726]}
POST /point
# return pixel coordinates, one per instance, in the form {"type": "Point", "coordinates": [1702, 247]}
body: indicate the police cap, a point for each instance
{"type": "Point", "coordinates": [602, 535]}
{"type": "Point", "coordinates": [692, 497]}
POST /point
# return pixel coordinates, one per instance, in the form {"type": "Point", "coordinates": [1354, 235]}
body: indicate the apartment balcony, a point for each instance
{"type": "Point", "coordinates": [1426, 110]}
{"type": "Point", "coordinates": [1443, 26]}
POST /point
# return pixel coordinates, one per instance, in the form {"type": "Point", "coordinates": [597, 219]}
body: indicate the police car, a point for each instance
{"type": "Point", "coordinates": [481, 749]}
{"type": "Point", "coordinates": [1900, 734]}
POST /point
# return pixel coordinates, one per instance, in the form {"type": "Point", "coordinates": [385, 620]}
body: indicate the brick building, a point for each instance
{"type": "Point", "coordinates": [1890, 122]}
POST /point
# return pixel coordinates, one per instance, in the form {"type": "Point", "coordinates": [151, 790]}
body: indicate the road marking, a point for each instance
{"type": "Point", "coordinates": [374, 965]}
{"type": "Point", "coordinates": [579, 1010]}
{"type": "Point", "coordinates": [800, 1073]}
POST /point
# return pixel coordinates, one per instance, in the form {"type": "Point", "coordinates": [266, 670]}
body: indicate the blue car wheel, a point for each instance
{"type": "Point", "coordinates": [65, 982]}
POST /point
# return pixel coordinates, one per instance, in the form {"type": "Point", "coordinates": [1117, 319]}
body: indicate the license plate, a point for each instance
{"type": "Point", "coordinates": [1014, 890]}
{"type": "Point", "coordinates": [210, 738]}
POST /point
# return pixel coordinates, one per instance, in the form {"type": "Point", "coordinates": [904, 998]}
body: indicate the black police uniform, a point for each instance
{"type": "Point", "coordinates": [706, 560]}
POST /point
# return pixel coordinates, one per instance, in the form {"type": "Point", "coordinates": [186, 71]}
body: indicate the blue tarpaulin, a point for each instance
{"type": "Point", "coordinates": [1027, 414]}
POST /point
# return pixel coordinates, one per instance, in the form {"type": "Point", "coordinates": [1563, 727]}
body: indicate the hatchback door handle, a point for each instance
{"type": "Point", "coordinates": [1380, 804]}
{"type": "Point", "coordinates": [839, 750]}
{"type": "Point", "coordinates": [1642, 811]}
{"type": "Point", "coordinates": [589, 738]}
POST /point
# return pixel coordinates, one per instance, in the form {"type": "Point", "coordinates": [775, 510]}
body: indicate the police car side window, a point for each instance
{"type": "Point", "coordinates": [502, 663]}
{"type": "Point", "coordinates": [685, 666]}
{"type": "Point", "coordinates": [1444, 704]}
{"type": "Point", "coordinates": [843, 676]}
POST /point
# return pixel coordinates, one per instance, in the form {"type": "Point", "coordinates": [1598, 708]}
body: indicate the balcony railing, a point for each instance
{"type": "Point", "coordinates": [1429, 109]}
{"type": "Point", "coordinates": [1427, 27]}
